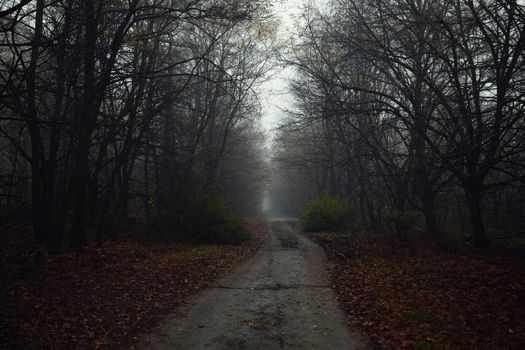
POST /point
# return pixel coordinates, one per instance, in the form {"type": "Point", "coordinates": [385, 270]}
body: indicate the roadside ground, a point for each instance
{"type": "Point", "coordinates": [417, 297]}
{"type": "Point", "coordinates": [102, 297]}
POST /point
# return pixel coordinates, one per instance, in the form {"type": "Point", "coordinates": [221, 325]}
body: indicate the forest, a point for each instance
{"type": "Point", "coordinates": [137, 171]}
{"type": "Point", "coordinates": [413, 110]}
{"type": "Point", "coordinates": [112, 109]}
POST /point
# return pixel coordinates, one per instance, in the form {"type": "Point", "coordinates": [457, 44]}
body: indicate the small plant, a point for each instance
{"type": "Point", "coordinates": [423, 345]}
{"type": "Point", "coordinates": [325, 213]}
{"type": "Point", "coordinates": [404, 220]}
{"type": "Point", "coordinates": [419, 315]}
{"type": "Point", "coordinates": [399, 223]}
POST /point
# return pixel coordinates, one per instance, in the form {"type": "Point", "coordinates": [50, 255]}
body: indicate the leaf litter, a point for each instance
{"type": "Point", "coordinates": [459, 298]}
{"type": "Point", "coordinates": [102, 297]}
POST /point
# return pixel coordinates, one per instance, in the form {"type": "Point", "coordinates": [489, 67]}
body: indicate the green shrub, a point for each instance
{"type": "Point", "coordinates": [325, 213]}
{"type": "Point", "coordinates": [201, 218]}
{"type": "Point", "coordinates": [207, 219]}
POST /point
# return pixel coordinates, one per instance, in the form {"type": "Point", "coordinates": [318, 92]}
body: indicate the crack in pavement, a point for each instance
{"type": "Point", "coordinates": [273, 287]}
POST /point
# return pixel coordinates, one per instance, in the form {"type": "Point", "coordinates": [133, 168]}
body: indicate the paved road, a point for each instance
{"type": "Point", "coordinates": [279, 299]}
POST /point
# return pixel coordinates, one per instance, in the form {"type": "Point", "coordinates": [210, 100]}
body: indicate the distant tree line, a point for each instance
{"type": "Point", "coordinates": [411, 105]}
{"type": "Point", "coordinates": [112, 107]}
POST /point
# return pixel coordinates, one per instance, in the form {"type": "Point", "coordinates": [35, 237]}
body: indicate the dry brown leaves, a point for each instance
{"type": "Point", "coordinates": [429, 300]}
{"type": "Point", "coordinates": [102, 297]}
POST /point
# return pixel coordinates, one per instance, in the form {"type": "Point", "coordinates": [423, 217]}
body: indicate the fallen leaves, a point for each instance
{"type": "Point", "coordinates": [430, 300]}
{"type": "Point", "coordinates": [249, 323]}
{"type": "Point", "coordinates": [102, 297]}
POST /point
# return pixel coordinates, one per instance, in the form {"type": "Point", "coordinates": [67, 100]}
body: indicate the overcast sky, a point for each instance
{"type": "Point", "coordinates": [274, 93]}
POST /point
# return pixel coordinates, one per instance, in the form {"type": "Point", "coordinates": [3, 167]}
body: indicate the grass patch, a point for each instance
{"type": "Point", "coordinates": [419, 316]}
{"type": "Point", "coordinates": [424, 345]}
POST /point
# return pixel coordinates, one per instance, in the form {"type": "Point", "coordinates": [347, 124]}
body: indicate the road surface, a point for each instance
{"type": "Point", "coordinates": [279, 299]}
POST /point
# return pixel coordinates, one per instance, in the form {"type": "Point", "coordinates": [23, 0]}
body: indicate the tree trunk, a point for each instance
{"type": "Point", "coordinates": [38, 216]}
{"type": "Point", "coordinates": [87, 118]}
{"type": "Point", "coordinates": [40, 221]}
{"type": "Point", "coordinates": [479, 236]}
{"type": "Point", "coordinates": [147, 209]}
{"type": "Point", "coordinates": [429, 210]}
{"type": "Point", "coordinates": [80, 180]}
